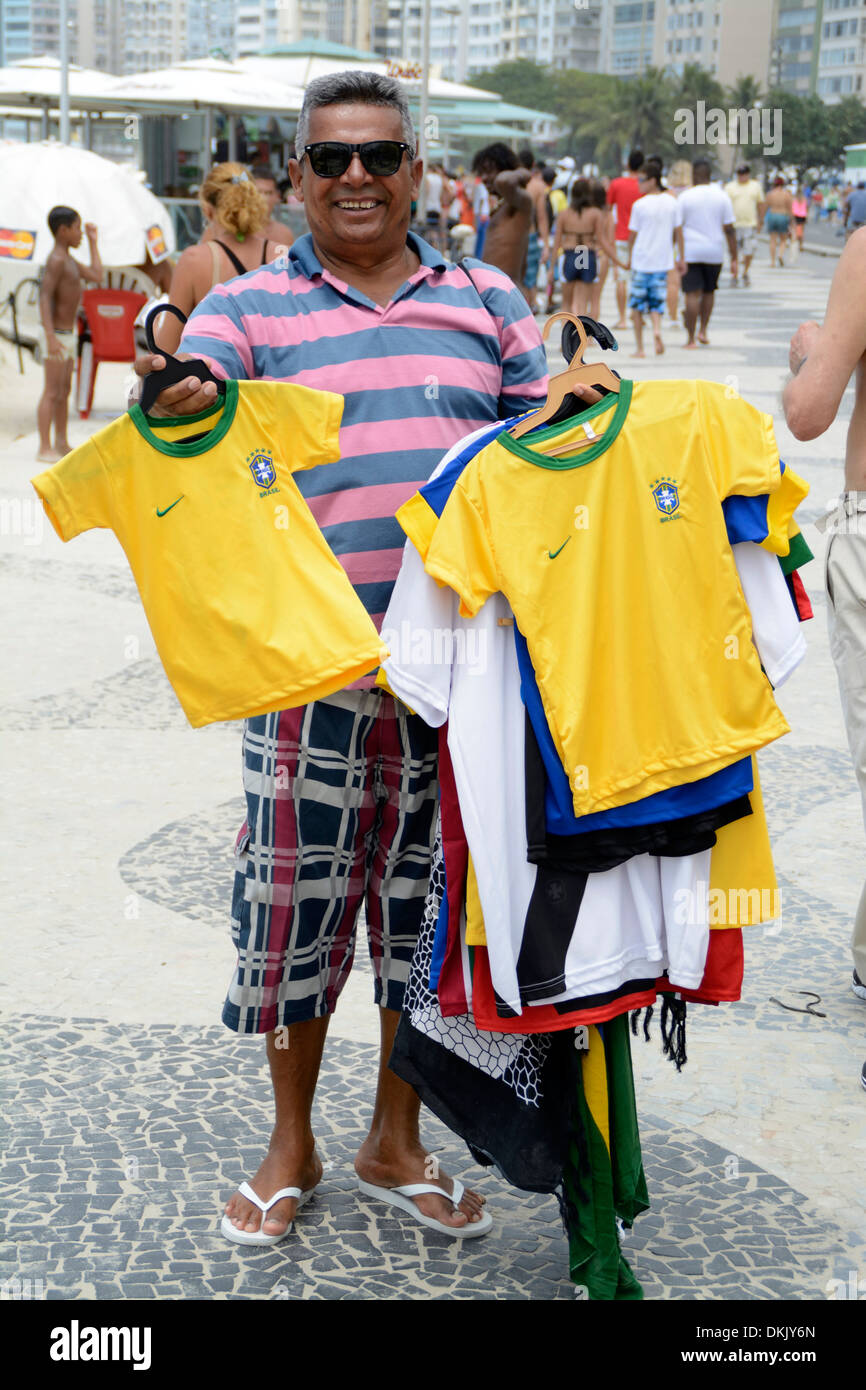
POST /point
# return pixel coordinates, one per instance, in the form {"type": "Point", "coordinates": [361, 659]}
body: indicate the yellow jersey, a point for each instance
{"type": "Point", "coordinates": [249, 608]}
{"type": "Point", "coordinates": [616, 562]}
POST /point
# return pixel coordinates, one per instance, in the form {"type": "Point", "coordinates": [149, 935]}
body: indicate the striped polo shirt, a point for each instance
{"type": "Point", "coordinates": [444, 357]}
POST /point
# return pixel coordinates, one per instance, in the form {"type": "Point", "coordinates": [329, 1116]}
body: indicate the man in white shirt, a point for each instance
{"type": "Point", "coordinates": [708, 223]}
{"type": "Point", "coordinates": [654, 226]}
{"type": "Point", "coordinates": [747, 200]}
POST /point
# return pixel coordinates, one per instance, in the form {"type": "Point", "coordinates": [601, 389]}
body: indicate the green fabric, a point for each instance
{"type": "Point", "coordinates": [798, 556]}
{"type": "Point", "coordinates": [599, 1187]}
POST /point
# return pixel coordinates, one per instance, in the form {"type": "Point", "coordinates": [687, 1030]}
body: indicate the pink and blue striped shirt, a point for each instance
{"type": "Point", "coordinates": [445, 356]}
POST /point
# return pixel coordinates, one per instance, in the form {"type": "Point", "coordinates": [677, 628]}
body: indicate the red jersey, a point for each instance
{"type": "Point", "coordinates": [622, 194]}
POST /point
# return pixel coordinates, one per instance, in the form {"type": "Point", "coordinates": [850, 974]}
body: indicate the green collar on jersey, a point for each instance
{"type": "Point", "coordinates": [145, 424]}
{"type": "Point", "coordinates": [549, 432]}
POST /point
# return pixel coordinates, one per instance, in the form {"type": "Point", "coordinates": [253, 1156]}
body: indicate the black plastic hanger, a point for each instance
{"type": "Point", "coordinates": [174, 370]}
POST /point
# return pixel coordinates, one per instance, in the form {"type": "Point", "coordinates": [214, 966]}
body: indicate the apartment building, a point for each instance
{"type": "Point", "coordinates": [472, 36]}
{"type": "Point", "coordinates": [840, 32]}
{"type": "Point", "coordinates": [32, 27]}
{"type": "Point", "coordinates": [730, 38]}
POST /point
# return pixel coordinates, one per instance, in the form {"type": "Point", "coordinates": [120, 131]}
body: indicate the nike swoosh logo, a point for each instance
{"type": "Point", "coordinates": [553, 553]}
{"type": "Point", "coordinates": [180, 499]}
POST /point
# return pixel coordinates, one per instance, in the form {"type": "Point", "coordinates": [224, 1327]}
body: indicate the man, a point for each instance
{"type": "Point", "coordinates": [823, 359]}
{"type": "Point", "coordinates": [368, 310]}
{"type": "Point", "coordinates": [855, 210]}
{"type": "Point", "coordinates": [511, 220]}
{"type": "Point", "coordinates": [435, 185]}
{"type": "Point", "coordinates": [537, 251]}
{"type": "Point", "coordinates": [747, 200]}
{"type": "Point", "coordinates": [779, 208]}
{"type": "Point", "coordinates": [59, 298]}
{"type": "Point", "coordinates": [622, 194]}
{"type": "Point", "coordinates": [265, 181]}
{"type": "Point", "coordinates": [708, 223]}
{"type": "Point", "coordinates": [654, 225]}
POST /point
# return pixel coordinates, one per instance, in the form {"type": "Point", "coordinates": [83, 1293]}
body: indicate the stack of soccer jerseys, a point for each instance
{"type": "Point", "coordinates": [595, 616]}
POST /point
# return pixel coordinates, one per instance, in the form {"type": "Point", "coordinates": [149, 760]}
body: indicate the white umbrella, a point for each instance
{"type": "Point", "coordinates": [133, 225]}
{"type": "Point", "coordinates": [206, 83]}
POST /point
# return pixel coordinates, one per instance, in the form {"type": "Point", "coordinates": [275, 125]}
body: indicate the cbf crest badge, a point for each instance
{"type": "Point", "coordinates": [666, 495]}
{"type": "Point", "coordinates": [261, 465]}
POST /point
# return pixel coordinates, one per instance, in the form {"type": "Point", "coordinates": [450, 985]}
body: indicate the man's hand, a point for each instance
{"type": "Point", "coordinates": [185, 397]}
{"type": "Point", "coordinates": [90, 231]}
{"type": "Point", "coordinates": [681, 268]}
{"type": "Point", "coordinates": [802, 343]}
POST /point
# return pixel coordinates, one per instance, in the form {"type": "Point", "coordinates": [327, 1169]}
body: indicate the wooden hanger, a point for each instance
{"type": "Point", "coordinates": [591, 373]}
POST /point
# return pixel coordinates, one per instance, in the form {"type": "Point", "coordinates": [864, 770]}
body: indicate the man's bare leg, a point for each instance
{"type": "Point", "coordinates": [61, 411]}
{"type": "Point", "coordinates": [693, 304]}
{"type": "Point", "coordinates": [657, 332]}
{"type": "Point", "coordinates": [392, 1154]}
{"type": "Point", "coordinates": [291, 1160]}
{"type": "Point", "coordinates": [706, 309]}
{"type": "Point", "coordinates": [637, 320]}
{"type": "Point", "coordinates": [673, 294]}
{"type": "Point", "coordinates": [55, 372]}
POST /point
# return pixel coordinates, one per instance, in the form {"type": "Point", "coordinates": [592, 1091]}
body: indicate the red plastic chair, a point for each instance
{"type": "Point", "coordinates": [110, 316]}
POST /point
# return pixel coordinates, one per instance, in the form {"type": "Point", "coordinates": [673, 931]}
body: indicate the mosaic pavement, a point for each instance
{"type": "Point", "coordinates": [126, 1137]}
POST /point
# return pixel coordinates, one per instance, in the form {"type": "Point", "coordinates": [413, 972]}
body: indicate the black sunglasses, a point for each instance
{"type": "Point", "coordinates": [331, 158]}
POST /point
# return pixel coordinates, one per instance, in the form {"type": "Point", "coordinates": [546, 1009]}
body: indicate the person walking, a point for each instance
{"type": "Point", "coordinates": [708, 225]}
{"type": "Point", "coordinates": [537, 247]}
{"type": "Point", "coordinates": [233, 243]}
{"type": "Point", "coordinates": [799, 217]}
{"type": "Point", "coordinates": [679, 179]}
{"type": "Point", "coordinates": [507, 236]}
{"type": "Point", "coordinates": [747, 200]}
{"type": "Point", "coordinates": [824, 358]}
{"type": "Point", "coordinates": [655, 225]}
{"type": "Point", "coordinates": [352, 821]}
{"type": "Point", "coordinates": [778, 219]}
{"type": "Point", "coordinates": [855, 210]}
{"type": "Point", "coordinates": [582, 235]}
{"type": "Point", "coordinates": [622, 193]}
{"type": "Point", "coordinates": [59, 298]}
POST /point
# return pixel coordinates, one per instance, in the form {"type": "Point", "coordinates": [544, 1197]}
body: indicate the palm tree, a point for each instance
{"type": "Point", "coordinates": [647, 111]}
{"type": "Point", "coordinates": [746, 94]}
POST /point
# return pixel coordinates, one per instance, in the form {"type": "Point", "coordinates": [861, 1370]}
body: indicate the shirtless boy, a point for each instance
{"type": "Point", "coordinates": [59, 298]}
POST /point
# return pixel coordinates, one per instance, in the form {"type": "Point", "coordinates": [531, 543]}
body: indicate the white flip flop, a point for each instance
{"type": "Point", "coordinates": [242, 1237]}
{"type": "Point", "coordinates": [399, 1197]}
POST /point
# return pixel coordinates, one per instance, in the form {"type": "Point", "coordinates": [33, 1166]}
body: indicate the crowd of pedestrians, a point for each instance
{"type": "Point", "coordinates": [558, 232]}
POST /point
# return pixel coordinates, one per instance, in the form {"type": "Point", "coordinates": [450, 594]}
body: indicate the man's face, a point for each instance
{"type": "Point", "coordinates": [73, 233]}
{"type": "Point", "coordinates": [357, 209]}
{"type": "Point", "coordinates": [743, 176]}
{"type": "Point", "coordinates": [269, 191]}
{"type": "Point", "coordinates": [489, 173]}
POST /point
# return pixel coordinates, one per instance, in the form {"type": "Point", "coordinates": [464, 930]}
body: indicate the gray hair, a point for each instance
{"type": "Point", "coordinates": [354, 86]}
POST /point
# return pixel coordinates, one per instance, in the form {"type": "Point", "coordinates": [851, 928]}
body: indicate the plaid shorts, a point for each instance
{"type": "Point", "coordinates": [341, 811]}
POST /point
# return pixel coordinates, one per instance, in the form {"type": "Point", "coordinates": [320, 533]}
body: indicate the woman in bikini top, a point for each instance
{"type": "Point", "coordinates": [231, 245]}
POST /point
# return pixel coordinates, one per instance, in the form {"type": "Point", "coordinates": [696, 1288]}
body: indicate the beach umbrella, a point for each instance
{"type": "Point", "coordinates": [134, 226]}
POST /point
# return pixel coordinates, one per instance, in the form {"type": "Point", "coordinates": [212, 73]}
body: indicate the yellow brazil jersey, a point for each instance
{"type": "Point", "coordinates": [249, 608]}
{"type": "Point", "coordinates": [616, 561]}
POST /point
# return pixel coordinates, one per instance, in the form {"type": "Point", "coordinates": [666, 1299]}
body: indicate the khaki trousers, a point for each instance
{"type": "Point", "coordinates": [845, 576]}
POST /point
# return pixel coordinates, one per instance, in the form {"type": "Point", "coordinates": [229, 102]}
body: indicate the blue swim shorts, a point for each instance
{"type": "Point", "coordinates": [647, 291]}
